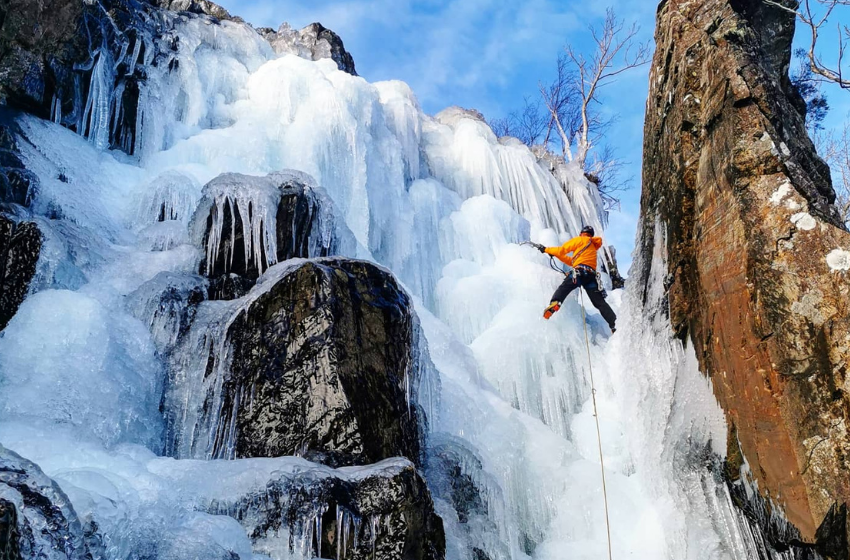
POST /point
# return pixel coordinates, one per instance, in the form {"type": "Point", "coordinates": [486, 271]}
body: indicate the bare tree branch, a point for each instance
{"type": "Point", "coordinates": [814, 15]}
{"type": "Point", "coordinates": [834, 148]}
{"type": "Point", "coordinates": [616, 51]}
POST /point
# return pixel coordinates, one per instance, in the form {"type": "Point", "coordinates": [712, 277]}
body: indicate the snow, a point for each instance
{"type": "Point", "coordinates": [784, 190]}
{"type": "Point", "coordinates": [439, 201]}
{"type": "Point", "coordinates": [804, 221]}
{"type": "Point", "coordinates": [838, 260]}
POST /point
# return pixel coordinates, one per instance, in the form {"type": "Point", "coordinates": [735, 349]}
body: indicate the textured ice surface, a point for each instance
{"type": "Point", "coordinates": [67, 358]}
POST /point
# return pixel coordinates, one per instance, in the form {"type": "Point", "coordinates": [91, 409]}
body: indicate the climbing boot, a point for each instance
{"type": "Point", "coordinates": [551, 310]}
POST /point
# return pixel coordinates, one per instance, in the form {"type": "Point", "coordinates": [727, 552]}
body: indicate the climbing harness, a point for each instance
{"type": "Point", "coordinates": [596, 417]}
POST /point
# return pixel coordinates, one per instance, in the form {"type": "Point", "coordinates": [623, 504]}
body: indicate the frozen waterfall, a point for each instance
{"type": "Point", "coordinates": [439, 201]}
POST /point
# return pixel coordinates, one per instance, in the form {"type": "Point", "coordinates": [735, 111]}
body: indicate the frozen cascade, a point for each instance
{"type": "Point", "coordinates": [439, 201]}
{"type": "Point", "coordinates": [96, 115]}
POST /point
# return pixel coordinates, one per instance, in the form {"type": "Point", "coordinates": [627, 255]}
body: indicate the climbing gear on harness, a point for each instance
{"type": "Point", "coordinates": [551, 310]}
{"type": "Point", "coordinates": [596, 417]}
{"type": "Point", "coordinates": [588, 230]}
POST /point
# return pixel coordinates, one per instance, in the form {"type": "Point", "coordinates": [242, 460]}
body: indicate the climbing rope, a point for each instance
{"type": "Point", "coordinates": [596, 417]}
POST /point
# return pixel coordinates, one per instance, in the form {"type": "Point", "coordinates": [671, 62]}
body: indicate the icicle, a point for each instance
{"type": "Point", "coordinates": [373, 522]}
{"type": "Point", "coordinates": [356, 530]}
{"type": "Point", "coordinates": [121, 55]}
{"type": "Point", "coordinates": [137, 47]}
{"type": "Point", "coordinates": [254, 200]}
{"type": "Point", "coordinates": [340, 549]}
{"type": "Point", "coordinates": [343, 529]}
{"type": "Point", "coordinates": [117, 108]}
{"type": "Point", "coordinates": [56, 108]}
{"type": "Point", "coordinates": [97, 111]}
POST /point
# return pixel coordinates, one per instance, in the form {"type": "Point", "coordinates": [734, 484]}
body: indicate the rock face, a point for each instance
{"type": "Point", "coordinates": [384, 512]}
{"type": "Point", "coordinates": [317, 363]}
{"type": "Point", "coordinates": [314, 42]}
{"type": "Point", "coordinates": [738, 203]}
{"type": "Point", "coordinates": [197, 7]}
{"type": "Point", "coordinates": [83, 64]}
{"type": "Point", "coordinates": [36, 518]}
{"type": "Point", "coordinates": [20, 245]}
{"type": "Point", "coordinates": [17, 183]}
{"type": "Point", "coordinates": [49, 51]}
{"type": "Point", "coordinates": [38, 41]}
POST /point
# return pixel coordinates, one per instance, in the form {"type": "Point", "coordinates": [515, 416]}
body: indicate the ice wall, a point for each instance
{"type": "Point", "coordinates": [443, 204]}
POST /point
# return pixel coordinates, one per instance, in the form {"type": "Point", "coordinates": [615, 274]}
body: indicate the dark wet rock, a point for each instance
{"type": "Point", "coordinates": [317, 361]}
{"type": "Point", "coordinates": [229, 286]}
{"type": "Point", "coordinates": [610, 267]}
{"type": "Point", "coordinates": [739, 206]}
{"type": "Point", "coordinates": [20, 245]}
{"type": "Point", "coordinates": [36, 38]}
{"type": "Point", "coordinates": [303, 223]}
{"type": "Point", "coordinates": [10, 547]}
{"type": "Point", "coordinates": [167, 304]}
{"type": "Point", "coordinates": [313, 42]}
{"type": "Point", "coordinates": [831, 536]}
{"type": "Point", "coordinates": [18, 185]}
{"type": "Point", "coordinates": [382, 512]}
{"type": "Point", "coordinates": [47, 526]}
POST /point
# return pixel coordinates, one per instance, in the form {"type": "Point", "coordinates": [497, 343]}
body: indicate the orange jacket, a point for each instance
{"type": "Point", "coordinates": [575, 245]}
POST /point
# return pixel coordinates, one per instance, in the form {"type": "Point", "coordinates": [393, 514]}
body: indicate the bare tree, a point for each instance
{"type": "Point", "coordinates": [617, 50]}
{"type": "Point", "coordinates": [571, 116]}
{"type": "Point", "coordinates": [814, 15]}
{"type": "Point", "coordinates": [561, 99]}
{"type": "Point", "coordinates": [605, 171]}
{"type": "Point", "coordinates": [834, 147]}
{"type": "Point", "coordinates": [526, 125]}
{"type": "Point", "coordinates": [503, 126]}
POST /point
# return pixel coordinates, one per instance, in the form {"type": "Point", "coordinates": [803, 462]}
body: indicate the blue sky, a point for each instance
{"type": "Point", "coordinates": [482, 54]}
{"type": "Point", "coordinates": [489, 55]}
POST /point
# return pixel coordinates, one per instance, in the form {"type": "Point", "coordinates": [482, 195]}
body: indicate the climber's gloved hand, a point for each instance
{"type": "Point", "coordinates": [539, 247]}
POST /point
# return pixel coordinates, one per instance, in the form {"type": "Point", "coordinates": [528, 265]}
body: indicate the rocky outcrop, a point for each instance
{"type": "Point", "coordinates": [383, 512]}
{"type": "Point", "coordinates": [36, 518]}
{"type": "Point", "coordinates": [197, 7]}
{"type": "Point", "coordinates": [50, 50]}
{"type": "Point", "coordinates": [167, 304]}
{"type": "Point", "coordinates": [285, 216]}
{"type": "Point", "coordinates": [317, 362]}
{"type": "Point", "coordinates": [20, 245]}
{"type": "Point", "coordinates": [83, 64]}
{"type": "Point", "coordinates": [738, 203]}
{"type": "Point", "coordinates": [38, 46]}
{"type": "Point", "coordinates": [17, 184]}
{"type": "Point", "coordinates": [314, 42]}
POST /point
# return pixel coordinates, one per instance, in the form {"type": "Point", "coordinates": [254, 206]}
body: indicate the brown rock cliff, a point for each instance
{"type": "Point", "coordinates": [744, 202]}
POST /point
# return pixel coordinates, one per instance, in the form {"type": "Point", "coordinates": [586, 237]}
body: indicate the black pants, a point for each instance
{"type": "Point", "coordinates": [587, 280]}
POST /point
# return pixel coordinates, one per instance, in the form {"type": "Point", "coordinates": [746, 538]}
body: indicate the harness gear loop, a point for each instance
{"type": "Point", "coordinates": [596, 417]}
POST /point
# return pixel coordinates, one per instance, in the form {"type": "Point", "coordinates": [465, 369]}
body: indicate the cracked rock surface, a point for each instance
{"type": "Point", "coordinates": [745, 208]}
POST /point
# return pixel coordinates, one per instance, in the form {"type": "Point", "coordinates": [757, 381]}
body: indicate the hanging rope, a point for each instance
{"type": "Point", "coordinates": [596, 417]}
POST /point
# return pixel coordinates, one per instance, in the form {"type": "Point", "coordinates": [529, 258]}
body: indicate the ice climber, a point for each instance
{"type": "Point", "coordinates": [583, 261]}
